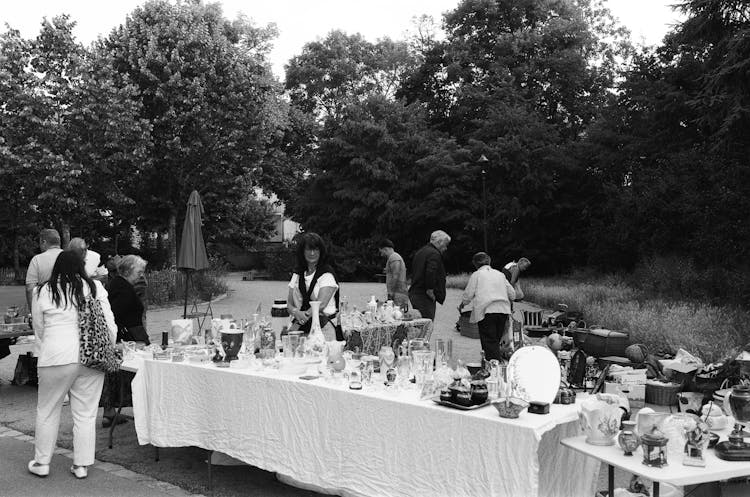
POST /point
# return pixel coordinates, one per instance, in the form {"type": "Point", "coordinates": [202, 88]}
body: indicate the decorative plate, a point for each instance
{"type": "Point", "coordinates": [534, 374]}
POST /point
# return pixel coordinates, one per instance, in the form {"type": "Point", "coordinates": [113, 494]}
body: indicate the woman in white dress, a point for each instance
{"type": "Point", "coordinates": [313, 279]}
{"type": "Point", "coordinates": [54, 311]}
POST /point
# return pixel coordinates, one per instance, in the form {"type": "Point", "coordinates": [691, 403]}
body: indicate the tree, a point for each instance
{"type": "Point", "coordinates": [342, 69]}
{"type": "Point", "coordinates": [380, 171]}
{"type": "Point", "coordinates": [21, 110]}
{"type": "Point", "coordinates": [672, 149]}
{"type": "Point", "coordinates": [521, 81]}
{"type": "Point", "coordinates": [210, 99]}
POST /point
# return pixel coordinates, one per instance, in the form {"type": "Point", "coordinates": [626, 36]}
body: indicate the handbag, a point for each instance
{"type": "Point", "coordinates": [26, 370]}
{"type": "Point", "coordinates": [96, 350]}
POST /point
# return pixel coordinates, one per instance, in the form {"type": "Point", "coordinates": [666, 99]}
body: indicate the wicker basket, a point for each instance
{"type": "Point", "coordinates": [662, 394]}
{"type": "Point", "coordinates": [468, 329]}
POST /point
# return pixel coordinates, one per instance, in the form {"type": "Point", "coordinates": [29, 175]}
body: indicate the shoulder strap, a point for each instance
{"type": "Point", "coordinates": [305, 290]}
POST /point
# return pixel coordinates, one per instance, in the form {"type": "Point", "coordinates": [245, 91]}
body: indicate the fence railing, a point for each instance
{"type": "Point", "coordinates": [8, 276]}
{"type": "Point", "coordinates": [168, 285]}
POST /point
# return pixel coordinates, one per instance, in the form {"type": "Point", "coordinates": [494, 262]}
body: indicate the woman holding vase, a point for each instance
{"type": "Point", "coordinates": [313, 279]}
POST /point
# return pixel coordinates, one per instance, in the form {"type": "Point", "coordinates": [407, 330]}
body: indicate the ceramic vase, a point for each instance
{"type": "Point", "coordinates": [600, 421]}
{"type": "Point", "coordinates": [627, 439]}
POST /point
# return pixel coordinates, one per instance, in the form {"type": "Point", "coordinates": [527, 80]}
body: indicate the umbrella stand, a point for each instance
{"type": "Point", "coordinates": [188, 277]}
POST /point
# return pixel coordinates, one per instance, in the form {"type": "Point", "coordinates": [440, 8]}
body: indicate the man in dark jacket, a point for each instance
{"type": "Point", "coordinates": [428, 278]}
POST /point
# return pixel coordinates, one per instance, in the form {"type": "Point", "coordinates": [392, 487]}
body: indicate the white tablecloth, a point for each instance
{"type": "Point", "coordinates": [374, 442]}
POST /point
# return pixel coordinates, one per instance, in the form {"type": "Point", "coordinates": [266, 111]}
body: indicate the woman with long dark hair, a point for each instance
{"type": "Point", "coordinates": [313, 279]}
{"type": "Point", "coordinates": [54, 311]}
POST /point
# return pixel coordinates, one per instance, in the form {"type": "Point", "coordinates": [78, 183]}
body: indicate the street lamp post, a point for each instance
{"type": "Point", "coordinates": [483, 160]}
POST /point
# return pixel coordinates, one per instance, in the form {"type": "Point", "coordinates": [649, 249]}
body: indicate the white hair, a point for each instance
{"type": "Point", "coordinates": [130, 264]}
{"type": "Point", "coordinates": [439, 236]}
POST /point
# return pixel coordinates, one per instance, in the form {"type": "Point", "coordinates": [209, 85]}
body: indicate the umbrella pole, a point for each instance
{"type": "Point", "coordinates": [188, 275]}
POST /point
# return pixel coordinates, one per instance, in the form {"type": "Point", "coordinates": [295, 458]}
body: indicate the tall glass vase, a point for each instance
{"type": "Point", "coordinates": [316, 341]}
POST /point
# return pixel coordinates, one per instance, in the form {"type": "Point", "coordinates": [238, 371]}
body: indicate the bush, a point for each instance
{"type": "Point", "coordinates": [167, 286]}
{"type": "Point", "coordinates": [457, 281]}
{"type": "Point", "coordinates": [712, 332]}
{"type": "Point", "coordinates": [676, 277]}
{"type": "Point", "coordinates": [279, 263]}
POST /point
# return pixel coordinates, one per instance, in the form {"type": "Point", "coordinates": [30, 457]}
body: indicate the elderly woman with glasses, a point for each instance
{"type": "Point", "coordinates": [128, 309]}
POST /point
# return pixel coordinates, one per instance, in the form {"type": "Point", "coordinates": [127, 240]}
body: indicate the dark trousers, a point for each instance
{"type": "Point", "coordinates": [424, 304]}
{"type": "Point", "coordinates": [491, 330]}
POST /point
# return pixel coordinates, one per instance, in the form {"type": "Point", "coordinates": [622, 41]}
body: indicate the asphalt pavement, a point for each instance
{"type": "Point", "coordinates": [104, 479]}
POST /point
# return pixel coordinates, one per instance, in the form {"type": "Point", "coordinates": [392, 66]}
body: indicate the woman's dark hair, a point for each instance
{"type": "Point", "coordinates": [66, 281]}
{"type": "Point", "coordinates": [311, 241]}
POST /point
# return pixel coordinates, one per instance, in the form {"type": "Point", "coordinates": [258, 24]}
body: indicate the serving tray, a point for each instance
{"type": "Point", "coordinates": [459, 406]}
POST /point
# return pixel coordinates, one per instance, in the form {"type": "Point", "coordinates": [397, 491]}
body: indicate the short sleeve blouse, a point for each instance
{"type": "Point", "coordinates": [325, 280]}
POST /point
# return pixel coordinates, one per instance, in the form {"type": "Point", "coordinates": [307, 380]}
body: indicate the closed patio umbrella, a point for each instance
{"type": "Point", "coordinates": [192, 255]}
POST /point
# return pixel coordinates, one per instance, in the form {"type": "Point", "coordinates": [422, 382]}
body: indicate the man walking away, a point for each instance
{"type": "Point", "coordinates": [395, 274]}
{"type": "Point", "coordinates": [428, 278]}
{"type": "Point", "coordinates": [40, 267]}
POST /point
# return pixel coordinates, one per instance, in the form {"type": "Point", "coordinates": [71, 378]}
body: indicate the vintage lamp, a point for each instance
{"type": "Point", "coordinates": [736, 449]}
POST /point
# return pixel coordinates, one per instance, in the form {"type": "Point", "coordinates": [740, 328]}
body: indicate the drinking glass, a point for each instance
{"type": "Point", "coordinates": [443, 352]}
{"type": "Point", "coordinates": [355, 379]}
{"type": "Point", "coordinates": [300, 351]}
{"type": "Point", "coordinates": [128, 351]}
{"type": "Point", "coordinates": [286, 344]}
{"type": "Point", "coordinates": [422, 361]}
{"type": "Point", "coordinates": [368, 365]}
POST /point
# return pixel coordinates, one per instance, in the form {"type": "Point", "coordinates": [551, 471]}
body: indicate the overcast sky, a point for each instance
{"type": "Point", "coordinates": [301, 21]}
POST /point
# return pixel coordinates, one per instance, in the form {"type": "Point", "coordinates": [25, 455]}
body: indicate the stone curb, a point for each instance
{"type": "Point", "coordinates": [108, 467]}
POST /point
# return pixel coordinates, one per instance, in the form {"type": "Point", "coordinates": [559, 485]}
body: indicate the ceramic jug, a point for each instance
{"type": "Point", "coordinates": [600, 421]}
{"type": "Point", "coordinates": [334, 355]}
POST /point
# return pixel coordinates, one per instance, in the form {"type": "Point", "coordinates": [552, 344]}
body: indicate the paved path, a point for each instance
{"type": "Point", "coordinates": [104, 479]}
{"type": "Point", "coordinates": [244, 296]}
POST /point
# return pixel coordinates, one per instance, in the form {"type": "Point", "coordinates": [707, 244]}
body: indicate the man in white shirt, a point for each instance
{"type": "Point", "coordinates": [90, 258]}
{"type": "Point", "coordinates": [40, 267]}
{"type": "Point", "coordinates": [488, 294]}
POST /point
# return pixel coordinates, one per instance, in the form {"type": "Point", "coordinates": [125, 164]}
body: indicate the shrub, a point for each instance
{"type": "Point", "coordinates": [279, 263]}
{"type": "Point", "coordinates": [457, 281]}
{"type": "Point", "coordinates": [167, 286]}
{"type": "Point", "coordinates": [676, 277]}
{"type": "Point", "coordinates": [712, 332]}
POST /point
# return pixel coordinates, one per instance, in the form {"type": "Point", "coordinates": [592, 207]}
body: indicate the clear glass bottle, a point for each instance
{"type": "Point", "coordinates": [403, 365]}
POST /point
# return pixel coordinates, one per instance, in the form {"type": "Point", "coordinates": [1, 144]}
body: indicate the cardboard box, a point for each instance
{"type": "Point", "coordinates": [636, 394]}
{"type": "Point", "coordinates": [637, 376]}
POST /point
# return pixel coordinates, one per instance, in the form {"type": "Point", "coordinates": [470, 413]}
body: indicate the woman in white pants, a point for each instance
{"type": "Point", "coordinates": [55, 317]}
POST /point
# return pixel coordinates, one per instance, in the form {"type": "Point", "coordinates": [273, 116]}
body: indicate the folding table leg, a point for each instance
{"type": "Point", "coordinates": [611, 482]}
{"type": "Point", "coordinates": [119, 408]}
{"type": "Point", "coordinates": [208, 461]}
